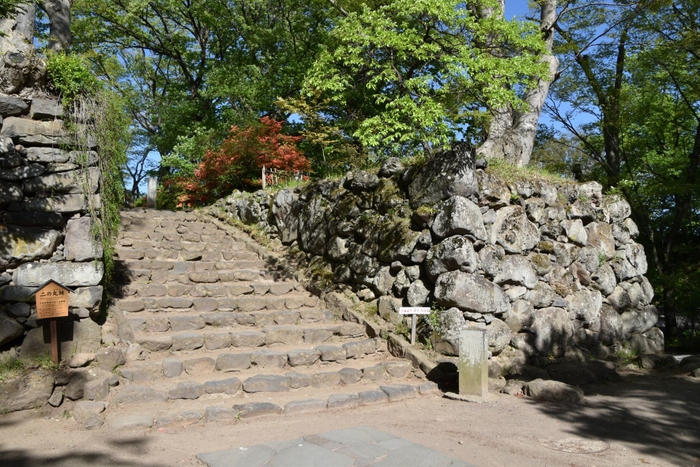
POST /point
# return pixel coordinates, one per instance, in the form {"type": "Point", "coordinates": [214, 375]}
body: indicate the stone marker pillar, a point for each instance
{"type": "Point", "coordinates": [151, 193]}
{"type": "Point", "coordinates": [473, 362]}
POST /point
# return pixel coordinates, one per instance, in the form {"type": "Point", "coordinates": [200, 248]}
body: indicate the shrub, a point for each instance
{"type": "Point", "coordinates": [70, 76]}
{"type": "Point", "coordinates": [237, 163]}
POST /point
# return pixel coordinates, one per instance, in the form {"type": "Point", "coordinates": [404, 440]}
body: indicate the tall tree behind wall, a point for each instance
{"type": "Point", "coordinates": [630, 75]}
{"type": "Point", "coordinates": [17, 64]}
{"type": "Point", "coordinates": [511, 132]}
{"type": "Point", "coordinates": [59, 13]}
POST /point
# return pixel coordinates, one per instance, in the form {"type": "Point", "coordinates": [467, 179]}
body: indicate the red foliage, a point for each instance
{"type": "Point", "coordinates": [239, 160]}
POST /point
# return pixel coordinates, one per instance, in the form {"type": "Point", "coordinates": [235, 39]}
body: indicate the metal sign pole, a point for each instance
{"type": "Point", "coordinates": [413, 311]}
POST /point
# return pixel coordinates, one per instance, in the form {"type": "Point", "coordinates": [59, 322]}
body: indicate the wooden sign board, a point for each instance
{"type": "Point", "coordinates": [52, 301]}
{"type": "Point", "coordinates": [414, 310]}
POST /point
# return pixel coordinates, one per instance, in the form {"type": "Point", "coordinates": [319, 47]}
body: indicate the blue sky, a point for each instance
{"type": "Point", "coordinates": [516, 8]}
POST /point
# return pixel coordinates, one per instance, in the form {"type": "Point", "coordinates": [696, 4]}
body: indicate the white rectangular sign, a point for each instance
{"type": "Point", "coordinates": [414, 310]}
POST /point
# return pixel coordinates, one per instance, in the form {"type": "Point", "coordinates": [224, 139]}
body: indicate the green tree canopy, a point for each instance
{"type": "Point", "coordinates": [191, 68]}
{"type": "Point", "coordinates": [402, 74]}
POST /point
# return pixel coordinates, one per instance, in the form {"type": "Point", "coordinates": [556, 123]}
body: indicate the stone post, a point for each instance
{"type": "Point", "coordinates": [151, 193]}
{"type": "Point", "coordinates": [473, 362]}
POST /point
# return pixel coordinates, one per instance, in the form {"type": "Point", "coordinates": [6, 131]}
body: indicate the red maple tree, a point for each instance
{"type": "Point", "coordinates": [237, 163]}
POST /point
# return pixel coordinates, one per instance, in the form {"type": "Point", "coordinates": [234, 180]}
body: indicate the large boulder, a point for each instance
{"type": "Point", "coordinates": [447, 174]}
{"type": "Point", "coordinates": [600, 238]}
{"type": "Point", "coordinates": [470, 292]}
{"type": "Point", "coordinates": [552, 391]}
{"type": "Point", "coordinates": [445, 339]}
{"type": "Point", "coordinates": [513, 230]}
{"type": "Point", "coordinates": [604, 279]}
{"type": "Point", "coordinates": [585, 305]}
{"type": "Point", "coordinates": [634, 253]}
{"type": "Point", "coordinates": [312, 228]}
{"type": "Point", "coordinates": [84, 336]}
{"type": "Point", "coordinates": [26, 392]}
{"type": "Point", "coordinates": [64, 183]}
{"type": "Point", "coordinates": [10, 193]}
{"type": "Point", "coordinates": [617, 208]}
{"type": "Point", "coordinates": [575, 231]}
{"type": "Point", "coordinates": [9, 329]}
{"type": "Point", "coordinates": [458, 215]}
{"type": "Point", "coordinates": [553, 331]}
{"type": "Point", "coordinates": [31, 132]}
{"type": "Point", "coordinates": [453, 253]}
{"type": "Point", "coordinates": [10, 106]}
{"type": "Point", "coordinates": [498, 334]}
{"type": "Point", "coordinates": [542, 295]}
{"type": "Point", "coordinates": [21, 244]}
{"type": "Point", "coordinates": [80, 243]}
{"type": "Point", "coordinates": [517, 270]}
{"type": "Point", "coordinates": [639, 321]}
{"type": "Point", "coordinates": [396, 240]}
{"type": "Point", "coordinates": [68, 274]}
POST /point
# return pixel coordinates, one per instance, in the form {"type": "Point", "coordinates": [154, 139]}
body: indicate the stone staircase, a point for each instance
{"type": "Point", "coordinates": [219, 333]}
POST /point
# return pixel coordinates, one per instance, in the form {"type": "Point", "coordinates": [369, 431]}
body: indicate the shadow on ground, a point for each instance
{"type": "Point", "coordinates": [659, 415]}
{"type": "Point", "coordinates": [110, 457]}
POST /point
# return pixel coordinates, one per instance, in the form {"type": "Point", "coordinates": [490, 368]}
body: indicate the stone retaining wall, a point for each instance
{"type": "Point", "coordinates": [45, 228]}
{"type": "Point", "coordinates": [551, 268]}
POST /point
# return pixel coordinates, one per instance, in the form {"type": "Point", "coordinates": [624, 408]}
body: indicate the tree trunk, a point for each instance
{"type": "Point", "coordinates": [511, 134]}
{"type": "Point", "coordinates": [58, 11]}
{"type": "Point", "coordinates": [17, 64]}
{"type": "Point", "coordinates": [18, 31]}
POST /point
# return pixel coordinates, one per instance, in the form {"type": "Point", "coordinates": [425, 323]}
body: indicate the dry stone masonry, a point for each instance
{"type": "Point", "coordinates": [45, 231]}
{"type": "Point", "coordinates": [551, 268]}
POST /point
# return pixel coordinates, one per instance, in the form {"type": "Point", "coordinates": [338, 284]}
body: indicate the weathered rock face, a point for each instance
{"type": "Point", "coordinates": [550, 269]}
{"type": "Point", "coordinates": [45, 233]}
{"type": "Point", "coordinates": [447, 174]}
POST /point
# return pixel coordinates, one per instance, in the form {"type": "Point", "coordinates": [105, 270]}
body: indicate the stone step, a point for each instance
{"type": "Point", "coordinates": [143, 224]}
{"type": "Point", "coordinates": [144, 228]}
{"type": "Point", "coordinates": [164, 322]}
{"type": "Point", "coordinates": [143, 287]}
{"type": "Point", "coordinates": [205, 254]}
{"type": "Point", "coordinates": [234, 260]}
{"type": "Point", "coordinates": [179, 383]}
{"type": "Point", "coordinates": [231, 276]}
{"type": "Point", "coordinates": [246, 362]}
{"type": "Point", "coordinates": [157, 411]}
{"type": "Point", "coordinates": [316, 325]}
{"type": "Point", "coordinates": [141, 213]}
{"type": "Point", "coordinates": [179, 244]}
{"type": "Point", "coordinates": [176, 241]}
{"type": "Point", "coordinates": [272, 335]}
{"type": "Point", "coordinates": [242, 303]}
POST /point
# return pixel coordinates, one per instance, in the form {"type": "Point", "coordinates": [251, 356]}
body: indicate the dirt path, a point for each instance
{"type": "Point", "coordinates": [646, 420]}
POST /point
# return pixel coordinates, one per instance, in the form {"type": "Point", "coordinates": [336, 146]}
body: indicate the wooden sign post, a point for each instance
{"type": "Point", "coordinates": [52, 303]}
{"type": "Point", "coordinates": [413, 311]}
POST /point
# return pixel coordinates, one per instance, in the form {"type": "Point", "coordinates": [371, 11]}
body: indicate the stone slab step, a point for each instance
{"type": "Point", "coordinates": [240, 303]}
{"type": "Point", "coordinates": [216, 408]}
{"type": "Point", "coordinates": [202, 367]}
{"type": "Point", "coordinates": [271, 335]}
{"type": "Point", "coordinates": [194, 266]}
{"type": "Point", "coordinates": [234, 260]}
{"type": "Point", "coordinates": [315, 328]}
{"type": "Point", "coordinates": [241, 384]}
{"type": "Point", "coordinates": [158, 323]}
{"type": "Point", "coordinates": [179, 242]}
{"type": "Point", "coordinates": [206, 254]}
{"type": "Point", "coordinates": [179, 285]}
